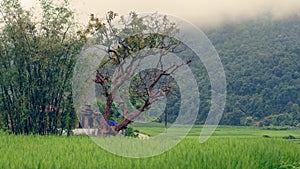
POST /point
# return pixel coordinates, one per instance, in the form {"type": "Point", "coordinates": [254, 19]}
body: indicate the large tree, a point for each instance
{"type": "Point", "coordinates": [127, 42]}
{"type": "Point", "coordinates": [37, 56]}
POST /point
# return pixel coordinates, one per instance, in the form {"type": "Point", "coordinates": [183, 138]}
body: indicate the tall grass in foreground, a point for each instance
{"type": "Point", "coordinates": [82, 152]}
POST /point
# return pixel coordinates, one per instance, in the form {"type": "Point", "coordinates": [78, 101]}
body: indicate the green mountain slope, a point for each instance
{"type": "Point", "coordinates": [261, 59]}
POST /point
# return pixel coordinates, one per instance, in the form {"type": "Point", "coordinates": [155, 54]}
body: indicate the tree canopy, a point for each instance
{"type": "Point", "coordinates": [125, 46]}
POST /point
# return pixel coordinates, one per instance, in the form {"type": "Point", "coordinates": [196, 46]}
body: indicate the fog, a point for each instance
{"type": "Point", "coordinates": [199, 12]}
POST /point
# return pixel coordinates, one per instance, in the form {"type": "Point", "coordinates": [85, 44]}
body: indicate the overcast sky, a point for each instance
{"type": "Point", "coordinates": [199, 12]}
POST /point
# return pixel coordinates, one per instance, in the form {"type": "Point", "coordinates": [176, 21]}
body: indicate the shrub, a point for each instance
{"type": "Point", "coordinates": [289, 137]}
{"type": "Point", "coordinates": [130, 132]}
{"type": "Point", "coordinates": [266, 136]}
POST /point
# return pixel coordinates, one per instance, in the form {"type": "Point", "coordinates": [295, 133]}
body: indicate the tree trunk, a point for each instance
{"type": "Point", "coordinates": [105, 130]}
{"type": "Point", "coordinates": [108, 105]}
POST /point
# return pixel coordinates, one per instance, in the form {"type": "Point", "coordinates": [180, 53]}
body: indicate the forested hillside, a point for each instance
{"type": "Point", "coordinates": [261, 59]}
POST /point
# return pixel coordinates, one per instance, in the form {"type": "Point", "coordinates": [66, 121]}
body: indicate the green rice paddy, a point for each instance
{"type": "Point", "coordinates": [229, 147]}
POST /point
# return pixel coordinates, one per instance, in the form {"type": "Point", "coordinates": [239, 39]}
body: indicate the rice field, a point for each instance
{"type": "Point", "coordinates": [230, 147]}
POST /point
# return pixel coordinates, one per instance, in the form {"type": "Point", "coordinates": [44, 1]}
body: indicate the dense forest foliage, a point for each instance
{"type": "Point", "coordinates": [261, 59]}
{"type": "Point", "coordinates": [262, 63]}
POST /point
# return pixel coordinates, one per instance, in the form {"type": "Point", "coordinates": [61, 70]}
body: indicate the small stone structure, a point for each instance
{"type": "Point", "coordinates": [89, 118]}
{"type": "Point", "coordinates": [93, 123]}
